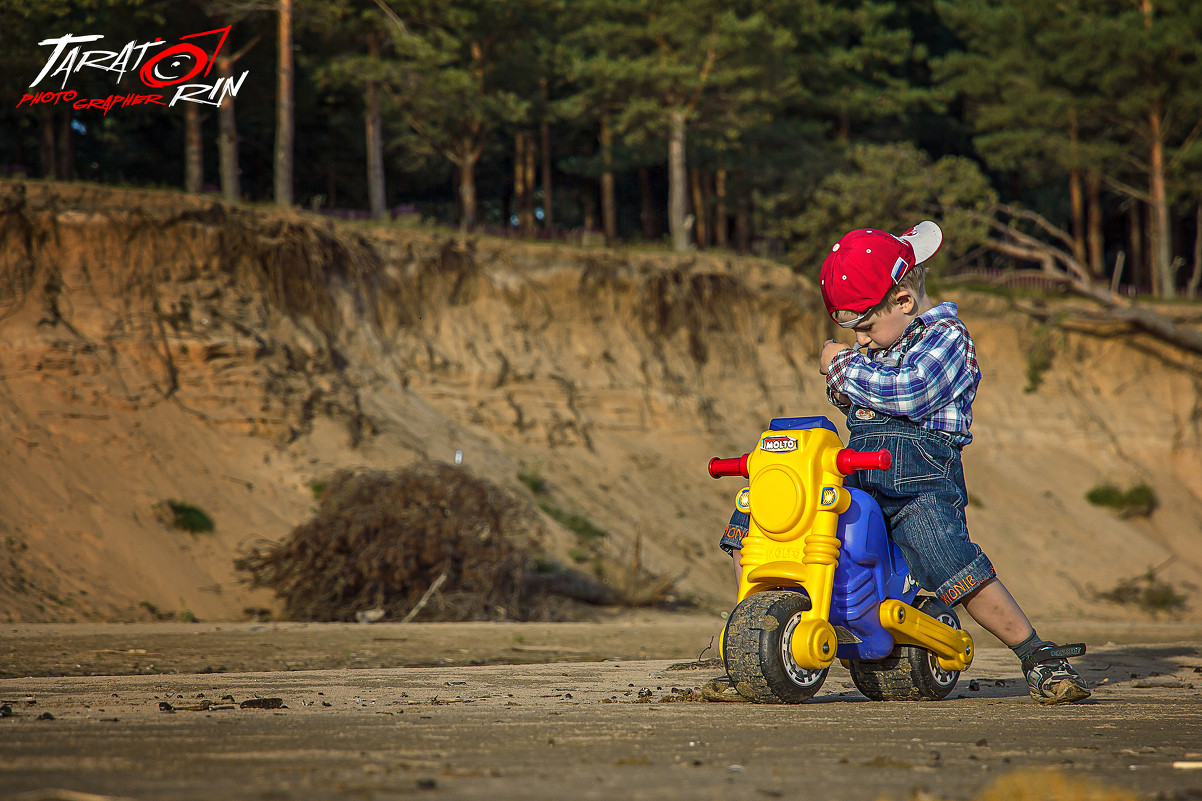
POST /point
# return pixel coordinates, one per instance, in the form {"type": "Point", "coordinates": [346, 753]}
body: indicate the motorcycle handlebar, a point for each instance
{"type": "Point", "coordinates": [729, 467]}
{"type": "Point", "coordinates": [849, 461]}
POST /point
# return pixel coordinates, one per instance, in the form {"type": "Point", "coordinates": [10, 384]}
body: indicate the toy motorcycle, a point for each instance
{"type": "Point", "coordinates": [820, 579]}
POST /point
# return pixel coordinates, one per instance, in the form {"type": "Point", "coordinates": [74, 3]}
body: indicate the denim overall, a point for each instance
{"type": "Point", "coordinates": [922, 497]}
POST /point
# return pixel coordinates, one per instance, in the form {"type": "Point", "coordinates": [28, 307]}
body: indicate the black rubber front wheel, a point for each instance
{"type": "Point", "coordinates": [909, 673]}
{"type": "Point", "coordinates": [757, 649]}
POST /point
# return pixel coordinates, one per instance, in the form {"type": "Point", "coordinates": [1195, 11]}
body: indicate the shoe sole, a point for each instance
{"type": "Point", "coordinates": [1065, 692]}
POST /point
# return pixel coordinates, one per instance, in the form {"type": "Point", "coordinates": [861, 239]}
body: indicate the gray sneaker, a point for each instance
{"type": "Point", "coordinates": [1051, 679]}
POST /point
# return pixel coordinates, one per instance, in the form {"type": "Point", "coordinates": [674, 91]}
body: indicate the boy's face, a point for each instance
{"type": "Point", "coordinates": [880, 330]}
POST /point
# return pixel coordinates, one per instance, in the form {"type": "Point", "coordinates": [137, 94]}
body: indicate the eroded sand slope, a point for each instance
{"type": "Point", "coordinates": [157, 347]}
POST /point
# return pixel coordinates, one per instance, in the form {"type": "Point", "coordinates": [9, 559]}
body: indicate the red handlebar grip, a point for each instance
{"type": "Point", "coordinates": [729, 467]}
{"type": "Point", "coordinates": [849, 461]}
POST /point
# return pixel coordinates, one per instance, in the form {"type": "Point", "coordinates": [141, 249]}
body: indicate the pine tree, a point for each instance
{"type": "Point", "coordinates": [449, 83]}
{"type": "Point", "coordinates": [654, 68]}
{"type": "Point", "coordinates": [1098, 92]}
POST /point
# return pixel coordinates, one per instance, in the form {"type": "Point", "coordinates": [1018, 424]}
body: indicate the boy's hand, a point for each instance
{"type": "Point", "coordinates": [829, 349]}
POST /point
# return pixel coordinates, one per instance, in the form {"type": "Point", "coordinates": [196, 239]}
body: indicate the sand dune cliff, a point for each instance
{"type": "Point", "coordinates": [155, 347]}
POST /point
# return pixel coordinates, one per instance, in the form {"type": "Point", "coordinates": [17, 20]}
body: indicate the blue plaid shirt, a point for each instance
{"type": "Point", "coordinates": [929, 375]}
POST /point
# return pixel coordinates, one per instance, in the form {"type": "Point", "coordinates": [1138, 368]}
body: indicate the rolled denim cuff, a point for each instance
{"type": "Point", "coordinates": [736, 530]}
{"type": "Point", "coordinates": [967, 581]}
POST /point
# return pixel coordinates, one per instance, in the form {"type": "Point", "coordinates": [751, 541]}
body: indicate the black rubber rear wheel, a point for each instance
{"type": "Point", "coordinates": [757, 649]}
{"type": "Point", "coordinates": [909, 673]}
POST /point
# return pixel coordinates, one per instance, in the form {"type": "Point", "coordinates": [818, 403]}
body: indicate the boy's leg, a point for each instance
{"type": "Point", "coordinates": [1050, 678]}
{"type": "Point", "coordinates": [732, 540]}
{"type": "Point", "coordinates": [998, 613]}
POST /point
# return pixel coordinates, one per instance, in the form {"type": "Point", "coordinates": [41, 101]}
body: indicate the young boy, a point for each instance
{"type": "Point", "coordinates": [911, 392]}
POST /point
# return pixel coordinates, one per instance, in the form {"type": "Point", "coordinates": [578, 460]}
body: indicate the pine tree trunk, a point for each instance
{"type": "Point", "coordinates": [227, 141]}
{"type": "Point", "coordinates": [545, 136]}
{"type": "Point", "coordinates": [374, 126]}
{"type": "Point", "coordinates": [530, 178]}
{"type": "Point", "coordinates": [720, 221]}
{"type": "Point", "coordinates": [66, 148]}
{"type": "Point", "coordinates": [1195, 278]}
{"type": "Point", "coordinates": [647, 205]}
{"type": "Point", "coordinates": [700, 227]}
{"type": "Point", "coordinates": [519, 179]}
{"type": "Point", "coordinates": [1076, 199]}
{"type": "Point", "coordinates": [1095, 238]}
{"type": "Point", "coordinates": [375, 153]}
{"type": "Point", "coordinates": [284, 106]}
{"type": "Point", "coordinates": [194, 154]}
{"type": "Point", "coordinates": [1160, 236]}
{"type": "Point", "coordinates": [531, 185]}
{"type": "Point", "coordinates": [523, 181]}
{"type": "Point", "coordinates": [48, 150]}
{"type": "Point", "coordinates": [743, 225]}
{"type": "Point", "coordinates": [677, 183]}
{"type": "Point", "coordinates": [467, 193]}
{"type": "Point", "coordinates": [609, 204]}
{"type": "Point", "coordinates": [1135, 235]}
{"type": "Point", "coordinates": [590, 212]}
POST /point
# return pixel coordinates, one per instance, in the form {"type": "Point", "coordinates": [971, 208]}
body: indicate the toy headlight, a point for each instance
{"type": "Point", "coordinates": [834, 499]}
{"type": "Point", "coordinates": [779, 500]}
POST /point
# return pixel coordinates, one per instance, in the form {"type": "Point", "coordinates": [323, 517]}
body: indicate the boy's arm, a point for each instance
{"type": "Point", "coordinates": [830, 349]}
{"type": "Point", "coordinates": [935, 371]}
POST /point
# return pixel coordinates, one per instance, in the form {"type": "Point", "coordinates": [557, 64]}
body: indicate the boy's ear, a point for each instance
{"type": "Point", "coordinates": [905, 301]}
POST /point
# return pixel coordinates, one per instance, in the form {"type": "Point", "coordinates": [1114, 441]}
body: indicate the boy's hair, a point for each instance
{"type": "Point", "coordinates": [913, 282]}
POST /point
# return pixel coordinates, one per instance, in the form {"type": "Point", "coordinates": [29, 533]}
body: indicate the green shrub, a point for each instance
{"type": "Point", "coordinates": [579, 525]}
{"type": "Point", "coordinates": [154, 611]}
{"type": "Point", "coordinates": [532, 478]}
{"type": "Point", "coordinates": [1039, 361]}
{"type": "Point", "coordinates": [1139, 501]}
{"type": "Point", "coordinates": [1147, 592]}
{"type": "Point", "coordinates": [187, 517]}
{"type": "Point", "coordinates": [1105, 495]}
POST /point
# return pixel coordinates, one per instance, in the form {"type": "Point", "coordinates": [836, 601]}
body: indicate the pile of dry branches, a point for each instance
{"type": "Point", "coordinates": [431, 542]}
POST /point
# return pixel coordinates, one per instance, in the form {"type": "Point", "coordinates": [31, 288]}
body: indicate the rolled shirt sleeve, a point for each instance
{"type": "Point", "coordinates": [931, 376]}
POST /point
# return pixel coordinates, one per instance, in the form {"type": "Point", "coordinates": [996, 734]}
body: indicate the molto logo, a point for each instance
{"type": "Point", "coordinates": [778, 444]}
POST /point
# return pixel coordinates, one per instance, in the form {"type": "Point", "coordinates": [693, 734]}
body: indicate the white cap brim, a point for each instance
{"type": "Point", "coordinates": [925, 238]}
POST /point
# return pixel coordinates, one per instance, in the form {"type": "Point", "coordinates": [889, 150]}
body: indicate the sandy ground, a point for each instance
{"type": "Point", "coordinates": [591, 710]}
{"type": "Point", "coordinates": [172, 373]}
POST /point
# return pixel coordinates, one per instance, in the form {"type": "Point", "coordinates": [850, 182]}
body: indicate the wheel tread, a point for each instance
{"type": "Point", "coordinates": [903, 675]}
{"type": "Point", "coordinates": [750, 646]}
{"type": "Point", "coordinates": [742, 650]}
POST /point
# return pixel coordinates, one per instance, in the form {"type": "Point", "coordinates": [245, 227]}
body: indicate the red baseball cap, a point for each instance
{"type": "Point", "coordinates": [866, 263]}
